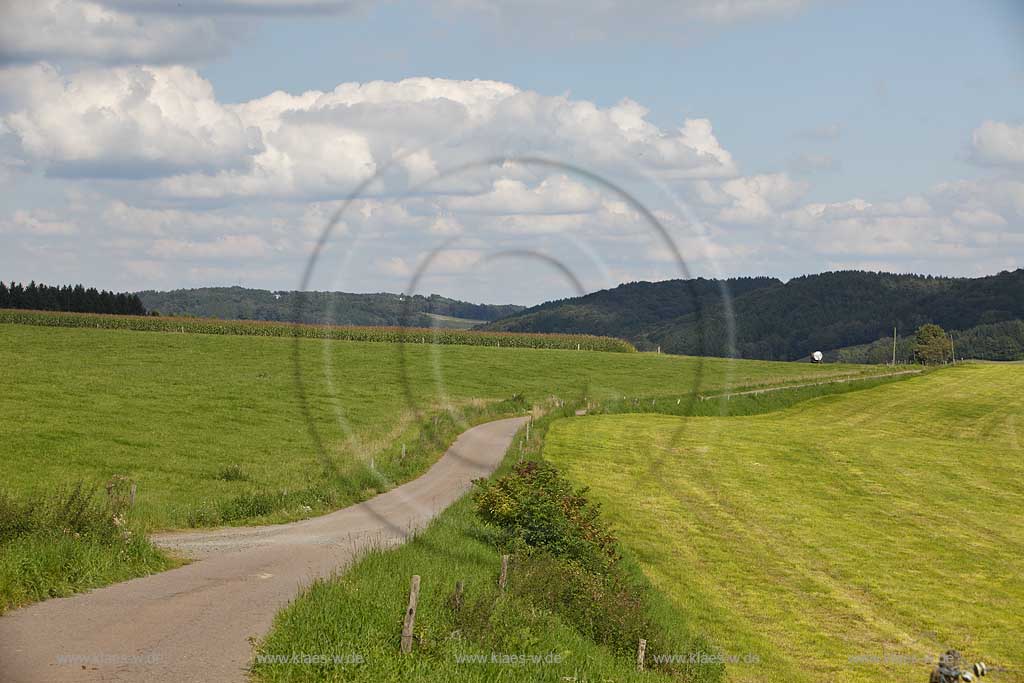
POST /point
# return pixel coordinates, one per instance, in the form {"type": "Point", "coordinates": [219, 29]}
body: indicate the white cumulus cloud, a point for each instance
{"type": "Point", "coordinates": [997, 143]}
{"type": "Point", "coordinates": [758, 198]}
{"type": "Point", "coordinates": [96, 31]}
{"type": "Point", "coordinates": [123, 122]}
{"type": "Point", "coordinates": [556, 194]}
{"type": "Point", "coordinates": [165, 122]}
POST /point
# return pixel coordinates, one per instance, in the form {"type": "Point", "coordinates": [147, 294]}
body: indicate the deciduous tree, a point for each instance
{"type": "Point", "coordinates": [932, 345]}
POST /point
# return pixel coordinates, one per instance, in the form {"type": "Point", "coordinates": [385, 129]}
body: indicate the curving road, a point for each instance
{"type": "Point", "coordinates": [194, 623]}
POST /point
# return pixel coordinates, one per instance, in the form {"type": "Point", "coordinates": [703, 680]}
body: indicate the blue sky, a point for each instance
{"type": "Point", "coordinates": [837, 134]}
{"type": "Point", "coordinates": [906, 86]}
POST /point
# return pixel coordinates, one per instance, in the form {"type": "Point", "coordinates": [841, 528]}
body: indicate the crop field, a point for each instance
{"type": "Point", "coordinates": [852, 537]}
{"type": "Point", "coordinates": [450, 333]}
{"type": "Point", "coordinates": [203, 421]}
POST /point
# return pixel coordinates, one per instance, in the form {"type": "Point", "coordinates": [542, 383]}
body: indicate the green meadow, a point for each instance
{"type": "Point", "coordinates": [851, 537]}
{"type": "Point", "coordinates": [213, 431]}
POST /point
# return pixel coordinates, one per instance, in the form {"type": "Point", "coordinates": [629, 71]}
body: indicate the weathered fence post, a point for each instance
{"type": "Point", "coordinates": [457, 598]}
{"type": "Point", "coordinates": [131, 494]}
{"type": "Point", "coordinates": [503, 577]}
{"type": "Point", "coordinates": [640, 651]}
{"type": "Point", "coordinates": [410, 614]}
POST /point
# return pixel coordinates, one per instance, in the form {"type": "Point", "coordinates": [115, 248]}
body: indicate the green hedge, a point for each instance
{"type": "Point", "coordinates": [408, 335]}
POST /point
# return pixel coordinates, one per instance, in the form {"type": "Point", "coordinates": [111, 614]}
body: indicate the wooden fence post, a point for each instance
{"type": "Point", "coordinates": [640, 651]}
{"type": "Point", "coordinates": [410, 614]}
{"type": "Point", "coordinates": [131, 494]}
{"type": "Point", "coordinates": [457, 599]}
{"type": "Point", "coordinates": [503, 577]}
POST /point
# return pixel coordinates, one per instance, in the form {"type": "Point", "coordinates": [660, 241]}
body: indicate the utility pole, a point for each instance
{"type": "Point", "coordinates": [952, 349]}
{"type": "Point", "coordinates": [894, 346]}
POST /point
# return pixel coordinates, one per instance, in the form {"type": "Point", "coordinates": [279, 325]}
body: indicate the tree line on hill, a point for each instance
{"type": "Point", "coordinates": [72, 298]}
{"type": "Point", "coordinates": [773, 320]}
{"type": "Point", "coordinates": [630, 310]}
{"type": "Point", "coordinates": [331, 308]}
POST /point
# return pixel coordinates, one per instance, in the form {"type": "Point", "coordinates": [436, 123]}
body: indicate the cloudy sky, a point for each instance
{"type": "Point", "coordinates": [510, 151]}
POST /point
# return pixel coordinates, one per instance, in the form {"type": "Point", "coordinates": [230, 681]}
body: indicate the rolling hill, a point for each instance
{"type": "Point", "coordinates": [777, 320]}
{"type": "Point", "coordinates": [330, 308]}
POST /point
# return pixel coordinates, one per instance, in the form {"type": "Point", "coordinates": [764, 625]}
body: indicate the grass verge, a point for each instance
{"type": "Point", "coordinates": [75, 539]}
{"type": "Point", "coordinates": [739, 405]}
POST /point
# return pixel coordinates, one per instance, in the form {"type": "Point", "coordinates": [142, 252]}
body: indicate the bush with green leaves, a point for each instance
{"type": "Point", "coordinates": [536, 508]}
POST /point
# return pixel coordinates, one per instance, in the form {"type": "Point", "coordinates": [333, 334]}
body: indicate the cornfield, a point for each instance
{"type": "Point", "coordinates": [405, 335]}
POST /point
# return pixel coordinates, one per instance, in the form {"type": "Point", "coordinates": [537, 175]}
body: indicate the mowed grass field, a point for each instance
{"type": "Point", "coordinates": [204, 421]}
{"type": "Point", "coordinates": [848, 538]}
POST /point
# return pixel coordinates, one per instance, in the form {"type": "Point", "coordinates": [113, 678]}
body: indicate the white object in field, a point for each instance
{"type": "Point", "coordinates": [817, 356]}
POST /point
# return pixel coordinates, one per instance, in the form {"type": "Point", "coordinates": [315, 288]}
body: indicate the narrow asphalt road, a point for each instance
{"type": "Point", "coordinates": [194, 623]}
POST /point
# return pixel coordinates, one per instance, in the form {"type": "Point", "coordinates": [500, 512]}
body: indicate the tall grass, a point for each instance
{"type": "Point", "coordinates": [74, 539]}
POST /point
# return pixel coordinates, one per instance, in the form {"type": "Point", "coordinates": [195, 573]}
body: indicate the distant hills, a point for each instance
{"type": "Point", "coordinates": [332, 308]}
{"type": "Point", "coordinates": [849, 315]}
{"type": "Point", "coordinates": [777, 320]}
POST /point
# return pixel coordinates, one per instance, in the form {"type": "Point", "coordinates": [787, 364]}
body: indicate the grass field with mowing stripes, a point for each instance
{"type": "Point", "coordinates": [849, 537]}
